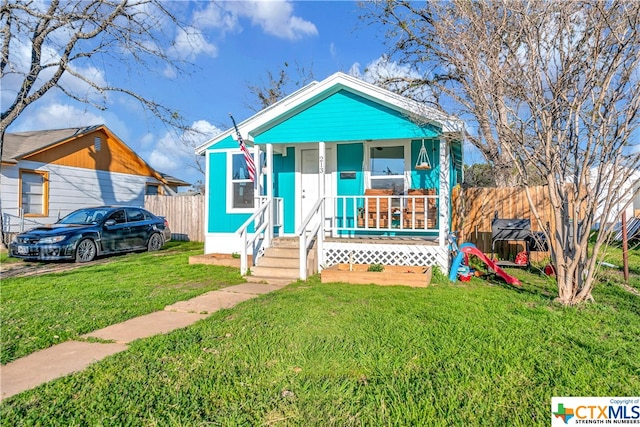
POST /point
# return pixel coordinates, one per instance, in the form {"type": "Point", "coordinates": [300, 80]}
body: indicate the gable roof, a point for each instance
{"type": "Point", "coordinates": [172, 180]}
{"type": "Point", "coordinates": [21, 145]}
{"type": "Point", "coordinates": [315, 91]}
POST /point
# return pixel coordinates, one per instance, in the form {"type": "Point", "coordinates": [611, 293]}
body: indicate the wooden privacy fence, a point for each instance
{"type": "Point", "coordinates": [184, 213]}
{"type": "Point", "coordinates": [475, 208]}
{"type": "Point", "coordinates": [472, 212]}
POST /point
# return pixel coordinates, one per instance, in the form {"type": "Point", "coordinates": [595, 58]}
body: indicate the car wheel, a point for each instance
{"type": "Point", "coordinates": [86, 251]}
{"type": "Point", "coordinates": [155, 242]}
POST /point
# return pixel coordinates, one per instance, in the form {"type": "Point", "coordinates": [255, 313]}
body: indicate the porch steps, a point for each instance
{"type": "Point", "coordinates": [280, 264]}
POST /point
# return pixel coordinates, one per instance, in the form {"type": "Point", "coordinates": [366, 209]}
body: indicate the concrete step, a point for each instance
{"type": "Point", "coordinates": [278, 272]}
{"type": "Point", "coordinates": [286, 242]}
{"type": "Point", "coordinates": [269, 280]}
{"type": "Point", "coordinates": [268, 261]}
{"type": "Point", "coordinates": [282, 252]}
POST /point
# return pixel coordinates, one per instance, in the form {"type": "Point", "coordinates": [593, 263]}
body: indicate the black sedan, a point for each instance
{"type": "Point", "coordinates": [86, 233]}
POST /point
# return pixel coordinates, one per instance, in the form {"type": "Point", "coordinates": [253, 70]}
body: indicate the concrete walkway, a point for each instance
{"type": "Point", "coordinates": [73, 356]}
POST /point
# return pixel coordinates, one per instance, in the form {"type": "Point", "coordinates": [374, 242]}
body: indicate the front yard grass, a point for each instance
{"type": "Point", "coordinates": [39, 311]}
{"type": "Point", "coordinates": [480, 353]}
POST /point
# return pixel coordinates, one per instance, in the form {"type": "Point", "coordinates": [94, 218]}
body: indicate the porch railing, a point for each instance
{"type": "Point", "coordinates": [264, 220]}
{"type": "Point", "coordinates": [307, 235]}
{"type": "Point", "coordinates": [385, 213]}
{"type": "Point", "coordinates": [19, 223]}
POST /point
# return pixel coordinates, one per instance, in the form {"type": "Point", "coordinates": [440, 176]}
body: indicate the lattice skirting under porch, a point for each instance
{"type": "Point", "coordinates": [386, 254]}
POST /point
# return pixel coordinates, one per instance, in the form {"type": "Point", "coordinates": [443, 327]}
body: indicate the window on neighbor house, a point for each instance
{"type": "Point", "coordinates": [242, 186]}
{"type": "Point", "coordinates": [386, 168]}
{"type": "Point", "coordinates": [34, 188]}
{"type": "Point", "coordinates": [152, 190]}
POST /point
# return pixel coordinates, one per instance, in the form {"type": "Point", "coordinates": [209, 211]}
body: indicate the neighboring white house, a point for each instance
{"type": "Point", "coordinates": [625, 196]}
{"type": "Point", "coordinates": [47, 174]}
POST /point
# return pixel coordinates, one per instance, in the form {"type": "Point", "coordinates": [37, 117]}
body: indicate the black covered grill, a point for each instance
{"type": "Point", "coordinates": [510, 229]}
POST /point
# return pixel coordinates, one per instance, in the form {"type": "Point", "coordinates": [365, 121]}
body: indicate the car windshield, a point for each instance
{"type": "Point", "coordinates": [84, 216]}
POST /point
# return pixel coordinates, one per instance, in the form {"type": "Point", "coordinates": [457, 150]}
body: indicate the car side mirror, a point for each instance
{"type": "Point", "coordinates": [109, 222]}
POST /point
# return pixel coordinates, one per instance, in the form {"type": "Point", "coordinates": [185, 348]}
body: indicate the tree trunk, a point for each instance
{"type": "Point", "coordinates": [504, 172]}
{"type": "Point", "coordinates": [3, 243]}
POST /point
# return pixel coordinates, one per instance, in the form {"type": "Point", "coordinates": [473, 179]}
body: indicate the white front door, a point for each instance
{"type": "Point", "coordinates": [309, 191]}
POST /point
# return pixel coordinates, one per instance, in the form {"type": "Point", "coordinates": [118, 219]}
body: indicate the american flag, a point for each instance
{"type": "Point", "coordinates": [251, 166]}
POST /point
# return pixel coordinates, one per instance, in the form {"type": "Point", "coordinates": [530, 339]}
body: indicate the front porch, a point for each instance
{"type": "Point", "coordinates": [401, 230]}
{"type": "Point", "coordinates": [287, 259]}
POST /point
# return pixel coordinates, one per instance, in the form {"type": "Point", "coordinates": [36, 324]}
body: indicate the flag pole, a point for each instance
{"type": "Point", "coordinates": [248, 157]}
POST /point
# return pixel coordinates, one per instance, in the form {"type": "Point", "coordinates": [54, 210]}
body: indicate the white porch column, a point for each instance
{"type": "Point", "coordinates": [269, 171]}
{"type": "Point", "coordinates": [445, 187]}
{"type": "Point", "coordinates": [322, 164]}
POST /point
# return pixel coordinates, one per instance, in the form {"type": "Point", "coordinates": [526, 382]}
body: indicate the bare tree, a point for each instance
{"type": "Point", "coordinates": [553, 90]}
{"type": "Point", "coordinates": [278, 85]}
{"type": "Point", "coordinates": [66, 40]}
{"type": "Point", "coordinates": [68, 46]}
{"type": "Point", "coordinates": [457, 58]}
{"type": "Point", "coordinates": [577, 74]}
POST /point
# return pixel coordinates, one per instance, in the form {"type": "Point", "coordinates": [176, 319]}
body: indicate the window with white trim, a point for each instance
{"type": "Point", "coordinates": [34, 191]}
{"type": "Point", "coordinates": [387, 167]}
{"type": "Point", "coordinates": [241, 184]}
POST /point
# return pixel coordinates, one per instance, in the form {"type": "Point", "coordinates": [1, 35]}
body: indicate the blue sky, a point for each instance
{"type": "Point", "coordinates": [235, 43]}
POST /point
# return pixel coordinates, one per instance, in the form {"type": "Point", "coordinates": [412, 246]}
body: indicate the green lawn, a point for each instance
{"type": "Point", "coordinates": [39, 311]}
{"type": "Point", "coordinates": [480, 353]}
{"type": "Point", "coordinates": [613, 255]}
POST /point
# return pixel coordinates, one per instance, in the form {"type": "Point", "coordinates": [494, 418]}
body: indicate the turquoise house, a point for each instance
{"type": "Point", "coordinates": [353, 172]}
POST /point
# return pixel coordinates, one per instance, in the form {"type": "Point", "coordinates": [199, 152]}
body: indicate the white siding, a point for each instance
{"type": "Point", "coordinates": [9, 191]}
{"type": "Point", "coordinates": [70, 189]}
{"type": "Point", "coordinates": [624, 195]}
{"type": "Point", "coordinates": [221, 243]}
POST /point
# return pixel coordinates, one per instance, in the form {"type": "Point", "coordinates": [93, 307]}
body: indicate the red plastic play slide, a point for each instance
{"type": "Point", "coordinates": [470, 249]}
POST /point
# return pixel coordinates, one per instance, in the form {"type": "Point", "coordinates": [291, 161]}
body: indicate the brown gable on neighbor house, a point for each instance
{"type": "Point", "coordinates": [93, 147]}
{"type": "Point", "coordinates": [18, 144]}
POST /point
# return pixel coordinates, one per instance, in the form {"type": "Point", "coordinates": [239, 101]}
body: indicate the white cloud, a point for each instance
{"type": "Point", "coordinates": [206, 129]}
{"type": "Point", "coordinates": [333, 51]}
{"type": "Point", "coordinates": [175, 154]}
{"type": "Point", "coordinates": [380, 70]}
{"type": "Point", "coordinates": [217, 17]}
{"type": "Point", "coordinates": [275, 17]}
{"type": "Point", "coordinates": [170, 72]}
{"type": "Point", "coordinates": [56, 116]}
{"type": "Point", "coordinates": [50, 113]}
{"type": "Point", "coordinates": [382, 67]}
{"type": "Point", "coordinates": [355, 70]}
{"type": "Point", "coordinates": [190, 43]}
{"type": "Point", "coordinates": [164, 162]}
{"type": "Point", "coordinates": [146, 140]}
{"type": "Point", "coordinates": [19, 63]}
